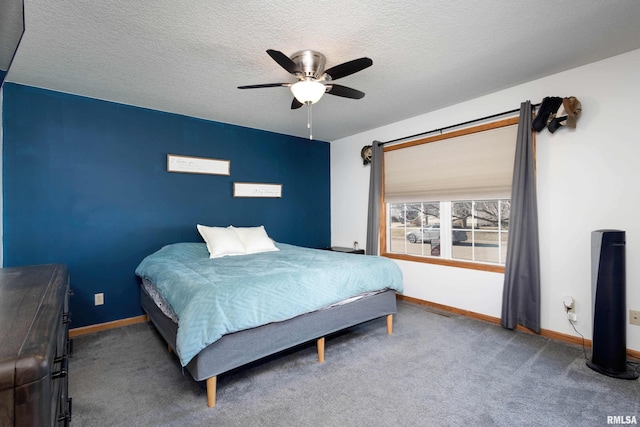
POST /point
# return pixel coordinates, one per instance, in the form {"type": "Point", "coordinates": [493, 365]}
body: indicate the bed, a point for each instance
{"type": "Point", "coordinates": [244, 308]}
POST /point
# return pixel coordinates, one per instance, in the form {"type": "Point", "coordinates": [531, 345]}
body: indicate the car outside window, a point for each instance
{"type": "Point", "coordinates": [472, 230]}
{"type": "Point", "coordinates": [414, 228]}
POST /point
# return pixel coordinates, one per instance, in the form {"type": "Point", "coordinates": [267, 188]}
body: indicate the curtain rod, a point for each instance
{"type": "Point", "coordinates": [456, 125]}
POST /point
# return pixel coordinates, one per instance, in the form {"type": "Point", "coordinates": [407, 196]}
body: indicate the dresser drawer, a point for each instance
{"type": "Point", "coordinates": [33, 345]}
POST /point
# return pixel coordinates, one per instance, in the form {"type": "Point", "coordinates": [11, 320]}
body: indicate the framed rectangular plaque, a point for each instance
{"type": "Point", "coordinates": [189, 164]}
{"type": "Point", "coordinates": [255, 189]}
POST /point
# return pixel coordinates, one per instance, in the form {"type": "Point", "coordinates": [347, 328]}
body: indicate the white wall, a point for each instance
{"type": "Point", "coordinates": [588, 179]}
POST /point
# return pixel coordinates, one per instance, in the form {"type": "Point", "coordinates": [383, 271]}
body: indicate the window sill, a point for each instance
{"type": "Point", "coordinates": [448, 262]}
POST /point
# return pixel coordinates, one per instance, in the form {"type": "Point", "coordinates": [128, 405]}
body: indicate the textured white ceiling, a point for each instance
{"type": "Point", "coordinates": [188, 57]}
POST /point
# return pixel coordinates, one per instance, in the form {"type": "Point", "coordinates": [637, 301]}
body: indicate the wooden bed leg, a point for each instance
{"type": "Point", "coordinates": [321, 350]}
{"type": "Point", "coordinates": [389, 324]}
{"type": "Point", "coordinates": [211, 392]}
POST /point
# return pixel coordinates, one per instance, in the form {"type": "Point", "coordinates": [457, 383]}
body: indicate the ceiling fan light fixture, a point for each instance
{"type": "Point", "coordinates": [308, 91]}
{"type": "Point", "coordinates": [308, 67]}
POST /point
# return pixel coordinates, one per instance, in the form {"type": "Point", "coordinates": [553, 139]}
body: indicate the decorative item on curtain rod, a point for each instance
{"type": "Point", "coordinates": [556, 112]}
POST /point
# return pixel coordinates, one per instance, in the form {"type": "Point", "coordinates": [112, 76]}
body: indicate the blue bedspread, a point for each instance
{"type": "Point", "coordinates": [213, 297]}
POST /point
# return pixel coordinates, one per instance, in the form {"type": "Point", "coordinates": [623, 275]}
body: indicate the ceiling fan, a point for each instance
{"type": "Point", "coordinates": [313, 80]}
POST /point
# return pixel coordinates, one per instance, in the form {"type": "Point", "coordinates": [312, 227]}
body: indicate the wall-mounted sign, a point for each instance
{"type": "Point", "coordinates": [189, 164]}
{"type": "Point", "coordinates": [254, 189]}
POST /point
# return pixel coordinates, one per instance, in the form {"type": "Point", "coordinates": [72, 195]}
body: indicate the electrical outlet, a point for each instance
{"type": "Point", "coordinates": [572, 316]}
{"type": "Point", "coordinates": [568, 302]}
{"type": "Point", "coordinates": [99, 299]}
{"type": "Point", "coordinates": [634, 317]}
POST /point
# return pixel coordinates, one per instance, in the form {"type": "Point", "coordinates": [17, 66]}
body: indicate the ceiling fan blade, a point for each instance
{"type": "Point", "coordinates": [295, 104]}
{"type": "Point", "coordinates": [264, 85]}
{"type": "Point", "coordinates": [285, 62]}
{"type": "Point", "coordinates": [348, 68]}
{"type": "Point", "coordinates": [343, 91]}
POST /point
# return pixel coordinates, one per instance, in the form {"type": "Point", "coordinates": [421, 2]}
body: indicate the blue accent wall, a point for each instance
{"type": "Point", "coordinates": [85, 183]}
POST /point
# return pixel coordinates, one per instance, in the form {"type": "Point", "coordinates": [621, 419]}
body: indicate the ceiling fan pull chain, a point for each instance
{"type": "Point", "coordinates": [309, 121]}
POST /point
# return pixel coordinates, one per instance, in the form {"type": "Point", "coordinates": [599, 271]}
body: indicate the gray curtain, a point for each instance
{"type": "Point", "coordinates": [375, 193]}
{"type": "Point", "coordinates": [521, 294]}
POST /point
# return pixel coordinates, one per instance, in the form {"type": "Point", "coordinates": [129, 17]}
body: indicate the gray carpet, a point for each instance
{"type": "Point", "coordinates": [434, 370]}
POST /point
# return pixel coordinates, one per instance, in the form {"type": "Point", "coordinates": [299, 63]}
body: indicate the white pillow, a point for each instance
{"type": "Point", "coordinates": [221, 241]}
{"type": "Point", "coordinates": [255, 239]}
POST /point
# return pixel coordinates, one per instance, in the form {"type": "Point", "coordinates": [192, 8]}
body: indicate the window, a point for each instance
{"type": "Point", "coordinates": [448, 203]}
{"type": "Point", "coordinates": [414, 228]}
{"type": "Point", "coordinates": [476, 230]}
{"type": "Point", "coordinates": [483, 227]}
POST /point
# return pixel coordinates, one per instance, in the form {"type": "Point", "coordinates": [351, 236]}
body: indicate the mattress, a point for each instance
{"type": "Point", "coordinates": [162, 304]}
{"type": "Point", "coordinates": [215, 297]}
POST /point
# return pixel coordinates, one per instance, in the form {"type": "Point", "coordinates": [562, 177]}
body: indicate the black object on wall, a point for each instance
{"type": "Point", "coordinates": [608, 282]}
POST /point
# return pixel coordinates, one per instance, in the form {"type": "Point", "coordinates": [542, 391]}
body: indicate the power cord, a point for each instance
{"type": "Point", "coordinates": [635, 366]}
{"type": "Point", "coordinates": [571, 322]}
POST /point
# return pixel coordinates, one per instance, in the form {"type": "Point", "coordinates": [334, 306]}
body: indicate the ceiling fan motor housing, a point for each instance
{"type": "Point", "coordinates": [310, 62]}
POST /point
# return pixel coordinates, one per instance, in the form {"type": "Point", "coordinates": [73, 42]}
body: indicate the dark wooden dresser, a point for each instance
{"type": "Point", "coordinates": [34, 346]}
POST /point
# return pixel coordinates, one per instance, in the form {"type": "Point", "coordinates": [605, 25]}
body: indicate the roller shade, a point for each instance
{"type": "Point", "coordinates": [473, 166]}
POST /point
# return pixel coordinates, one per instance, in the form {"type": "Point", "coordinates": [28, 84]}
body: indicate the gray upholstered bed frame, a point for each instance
{"type": "Point", "coordinates": [237, 349]}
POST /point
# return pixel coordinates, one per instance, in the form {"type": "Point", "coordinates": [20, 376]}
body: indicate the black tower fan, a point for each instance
{"type": "Point", "coordinates": [608, 282]}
